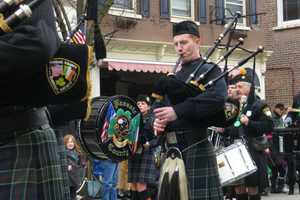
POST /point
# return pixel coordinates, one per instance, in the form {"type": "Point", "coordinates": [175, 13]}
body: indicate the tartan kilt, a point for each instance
{"type": "Point", "coordinates": [62, 152]}
{"type": "Point", "coordinates": [260, 177]}
{"type": "Point", "coordinates": [142, 169]}
{"type": "Point", "coordinates": [30, 167]}
{"type": "Point", "coordinates": [202, 173]}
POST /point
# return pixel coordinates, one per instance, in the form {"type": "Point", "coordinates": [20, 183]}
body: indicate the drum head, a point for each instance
{"type": "Point", "coordinates": [115, 127]}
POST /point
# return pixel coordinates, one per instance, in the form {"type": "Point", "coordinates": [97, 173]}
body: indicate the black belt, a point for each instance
{"type": "Point", "coordinates": [22, 121]}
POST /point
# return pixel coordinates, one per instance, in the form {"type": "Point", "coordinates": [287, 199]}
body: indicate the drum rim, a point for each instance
{"type": "Point", "coordinates": [81, 137]}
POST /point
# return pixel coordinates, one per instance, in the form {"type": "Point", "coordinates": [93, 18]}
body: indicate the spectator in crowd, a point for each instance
{"type": "Point", "coordinates": [141, 168]}
{"type": "Point", "coordinates": [75, 164]}
{"type": "Point", "coordinates": [276, 161]}
{"type": "Point", "coordinates": [293, 121]}
{"type": "Point", "coordinates": [123, 185]}
{"type": "Point", "coordinates": [106, 170]}
{"type": "Point", "coordinates": [278, 111]}
{"type": "Point", "coordinates": [293, 116]}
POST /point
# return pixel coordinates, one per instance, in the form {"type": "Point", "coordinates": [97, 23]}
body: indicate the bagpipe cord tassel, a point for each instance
{"type": "Point", "coordinates": [88, 96]}
{"type": "Point", "coordinates": [173, 180]}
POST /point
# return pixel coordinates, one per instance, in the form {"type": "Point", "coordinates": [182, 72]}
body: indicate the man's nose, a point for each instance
{"type": "Point", "coordinates": [179, 48]}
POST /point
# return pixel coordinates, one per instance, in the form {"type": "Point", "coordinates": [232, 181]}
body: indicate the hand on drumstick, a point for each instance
{"type": "Point", "coordinates": [163, 116]}
{"type": "Point", "coordinates": [244, 120]}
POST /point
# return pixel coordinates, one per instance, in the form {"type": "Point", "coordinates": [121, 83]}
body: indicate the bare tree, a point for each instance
{"type": "Point", "coordinates": [102, 9]}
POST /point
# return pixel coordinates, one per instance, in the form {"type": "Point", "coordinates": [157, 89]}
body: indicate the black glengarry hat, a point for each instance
{"type": "Point", "coordinates": [186, 27]}
{"type": "Point", "coordinates": [243, 78]}
{"type": "Point", "coordinates": [144, 98]}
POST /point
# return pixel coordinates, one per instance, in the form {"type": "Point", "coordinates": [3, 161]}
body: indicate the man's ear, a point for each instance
{"type": "Point", "coordinates": [198, 40]}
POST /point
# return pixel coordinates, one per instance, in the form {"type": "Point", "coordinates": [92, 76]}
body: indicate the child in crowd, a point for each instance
{"type": "Point", "coordinates": [76, 163]}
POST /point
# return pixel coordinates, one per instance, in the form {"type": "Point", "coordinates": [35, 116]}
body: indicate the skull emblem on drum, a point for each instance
{"type": "Point", "coordinates": [122, 125]}
{"type": "Point", "coordinates": [122, 128]}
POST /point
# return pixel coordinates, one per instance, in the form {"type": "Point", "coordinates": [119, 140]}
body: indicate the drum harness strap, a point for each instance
{"type": "Point", "coordinates": [172, 139]}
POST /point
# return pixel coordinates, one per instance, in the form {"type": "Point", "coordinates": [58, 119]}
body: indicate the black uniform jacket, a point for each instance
{"type": "Point", "coordinates": [260, 120]}
{"type": "Point", "coordinates": [25, 51]}
{"type": "Point", "coordinates": [194, 110]}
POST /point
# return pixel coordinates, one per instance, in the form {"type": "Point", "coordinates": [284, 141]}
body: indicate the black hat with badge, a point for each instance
{"type": "Point", "coordinates": [144, 98]}
{"type": "Point", "coordinates": [246, 77]}
{"type": "Point", "coordinates": [186, 27]}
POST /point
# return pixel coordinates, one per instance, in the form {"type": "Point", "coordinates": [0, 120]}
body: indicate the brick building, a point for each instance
{"type": "Point", "coordinates": [281, 28]}
{"type": "Point", "coordinates": [141, 49]}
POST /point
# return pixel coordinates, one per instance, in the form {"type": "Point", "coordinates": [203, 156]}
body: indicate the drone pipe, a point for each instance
{"type": "Point", "coordinates": [216, 44]}
{"type": "Point", "coordinates": [24, 12]}
{"type": "Point", "coordinates": [240, 63]}
{"type": "Point", "coordinates": [222, 58]}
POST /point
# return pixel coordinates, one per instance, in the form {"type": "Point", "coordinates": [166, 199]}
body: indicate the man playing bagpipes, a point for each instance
{"type": "Point", "coordinates": [37, 70]}
{"type": "Point", "coordinates": [184, 127]}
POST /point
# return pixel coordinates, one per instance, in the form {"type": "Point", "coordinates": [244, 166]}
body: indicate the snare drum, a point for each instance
{"type": "Point", "coordinates": [112, 129]}
{"type": "Point", "coordinates": [234, 163]}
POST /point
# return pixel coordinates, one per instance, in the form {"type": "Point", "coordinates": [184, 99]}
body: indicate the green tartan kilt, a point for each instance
{"type": "Point", "coordinates": [30, 167]}
{"type": "Point", "coordinates": [202, 173]}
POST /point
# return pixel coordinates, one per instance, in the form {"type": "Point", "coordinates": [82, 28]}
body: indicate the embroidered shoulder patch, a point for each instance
{"type": "Point", "coordinates": [231, 110]}
{"type": "Point", "coordinates": [62, 74]}
{"type": "Point", "coordinates": [267, 112]}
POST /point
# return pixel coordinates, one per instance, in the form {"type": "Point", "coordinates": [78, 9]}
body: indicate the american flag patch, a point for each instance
{"type": "Point", "coordinates": [79, 37]}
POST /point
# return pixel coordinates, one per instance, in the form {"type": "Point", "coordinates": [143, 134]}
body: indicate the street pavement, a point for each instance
{"type": "Point", "coordinates": [283, 196]}
{"type": "Point", "coordinates": [270, 196]}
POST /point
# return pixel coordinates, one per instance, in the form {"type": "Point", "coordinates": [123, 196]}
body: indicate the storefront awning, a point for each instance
{"type": "Point", "coordinates": [139, 66]}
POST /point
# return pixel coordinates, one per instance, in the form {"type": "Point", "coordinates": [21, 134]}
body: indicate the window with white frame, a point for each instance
{"type": "Point", "coordinates": [125, 8]}
{"type": "Point", "coordinates": [125, 4]}
{"type": "Point", "coordinates": [288, 13]}
{"type": "Point", "coordinates": [232, 6]}
{"type": "Point", "coordinates": [182, 10]}
{"type": "Point", "coordinates": [291, 10]}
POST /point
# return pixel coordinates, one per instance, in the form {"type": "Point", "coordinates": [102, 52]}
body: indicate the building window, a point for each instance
{"type": "Point", "coordinates": [125, 4]}
{"type": "Point", "coordinates": [291, 10]}
{"type": "Point", "coordinates": [125, 8]}
{"type": "Point", "coordinates": [288, 14]}
{"type": "Point", "coordinates": [232, 6]}
{"type": "Point", "coordinates": [181, 8]}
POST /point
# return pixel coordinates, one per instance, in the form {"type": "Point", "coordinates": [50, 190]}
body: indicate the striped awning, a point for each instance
{"type": "Point", "coordinates": [139, 66]}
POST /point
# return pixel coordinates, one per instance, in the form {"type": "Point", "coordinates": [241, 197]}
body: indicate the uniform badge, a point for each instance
{"type": "Point", "coordinates": [267, 111]}
{"type": "Point", "coordinates": [231, 110]}
{"type": "Point", "coordinates": [62, 74]}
